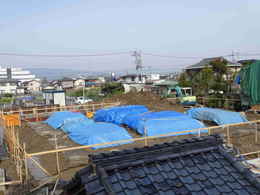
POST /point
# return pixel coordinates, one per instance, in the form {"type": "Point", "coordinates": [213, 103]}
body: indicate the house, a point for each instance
{"type": "Point", "coordinates": [190, 166]}
{"type": "Point", "coordinates": [79, 82]}
{"type": "Point", "coordinates": [8, 86]}
{"type": "Point", "coordinates": [67, 83]}
{"type": "Point", "coordinates": [54, 97]}
{"type": "Point", "coordinates": [139, 78]}
{"type": "Point", "coordinates": [94, 81]}
{"type": "Point", "coordinates": [193, 69]}
{"type": "Point", "coordinates": [32, 86]}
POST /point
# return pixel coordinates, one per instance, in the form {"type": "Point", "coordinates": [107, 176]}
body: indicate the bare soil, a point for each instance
{"type": "Point", "coordinates": [152, 101]}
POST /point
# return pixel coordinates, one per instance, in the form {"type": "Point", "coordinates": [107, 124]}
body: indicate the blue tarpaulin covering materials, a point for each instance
{"type": "Point", "coordinates": [118, 113]}
{"type": "Point", "coordinates": [156, 123]}
{"type": "Point", "coordinates": [57, 119]}
{"type": "Point", "coordinates": [96, 133]}
{"type": "Point", "coordinates": [85, 131]}
{"type": "Point", "coordinates": [161, 126]}
{"type": "Point", "coordinates": [136, 121]}
{"type": "Point", "coordinates": [220, 117]}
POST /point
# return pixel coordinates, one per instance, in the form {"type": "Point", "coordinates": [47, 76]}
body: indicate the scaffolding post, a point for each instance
{"type": "Point", "coordinates": [256, 132]}
{"type": "Point", "coordinates": [228, 135]}
{"type": "Point", "coordinates": [57, 155]}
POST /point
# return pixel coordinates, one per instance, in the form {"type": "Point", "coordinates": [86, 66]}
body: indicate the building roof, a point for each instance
{"type": "Point", "coordinates": [206, 61]}
{"type": "Point", "coordinates": [192, 166]}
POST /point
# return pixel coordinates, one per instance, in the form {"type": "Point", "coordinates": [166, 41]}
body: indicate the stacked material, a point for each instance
{"type": "Point", "coordinates": [117, 114]}
{"type": "Point", "coordinates": [164, 122]}
{"type": "Point", "coordinates": [220, 117]}
{"type": "Point", "coordinates": [57, 119]}
{"type": "Point", "coordinates": [85, 131]}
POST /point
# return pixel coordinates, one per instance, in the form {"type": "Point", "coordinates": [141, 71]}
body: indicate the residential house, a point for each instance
{"type": "Point", "coordinates": [94, 81]}
{"type": "Point", "coordinates": [139, 78]}
{"type": "Point", "coordinates": [79, 82]}
{"type": "Point", "coordinates": [190, 166]}
{"type": "Point", "coordinates": [8, 86]}
{"type": "Point", "coordinates": [32, 86]}
{"type": "Point", "coordinates": [232, 67]}
{"type": "Point", "coordinates": [67, 83]}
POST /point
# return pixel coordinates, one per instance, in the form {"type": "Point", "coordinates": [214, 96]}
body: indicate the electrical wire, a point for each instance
{"type": "Point", "coordinates": [63, 55]}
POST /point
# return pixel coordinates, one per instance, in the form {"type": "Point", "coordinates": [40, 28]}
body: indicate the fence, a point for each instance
{"type": "Point", "coordinates": [15, 149]}
{"type": "Point", "coordinates": [41, 113]}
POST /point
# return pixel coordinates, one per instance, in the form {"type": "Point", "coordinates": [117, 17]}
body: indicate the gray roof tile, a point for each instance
{"type": "Point", "coordinates": [195, 166]}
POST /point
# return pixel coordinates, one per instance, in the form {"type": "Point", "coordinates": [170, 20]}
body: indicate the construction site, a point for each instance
{"type": "Point", "coordinates": [38, 158]}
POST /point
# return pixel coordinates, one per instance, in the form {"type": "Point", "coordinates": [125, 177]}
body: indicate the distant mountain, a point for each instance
{"type": "Point", "coordinates": [52, 74]}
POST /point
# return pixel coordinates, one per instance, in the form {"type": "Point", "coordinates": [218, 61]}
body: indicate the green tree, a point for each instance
{"type": "Point", "coordinates": [219, 68]}
{"type": "Point", "coordinates": [184, 81]}
{"type": "Point", "coordinates": [207, 77]}
{"type": "Point", "coordinates": [112, 88]}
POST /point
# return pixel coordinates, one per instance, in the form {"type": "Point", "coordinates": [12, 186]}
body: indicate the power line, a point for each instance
{"type": "Point", "coordinates": [63, 55]}
{"type": "Point", "coordinates": [171, 56]}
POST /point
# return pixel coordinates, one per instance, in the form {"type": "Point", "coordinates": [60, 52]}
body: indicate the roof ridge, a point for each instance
{"type": "Point", "coordinates": [179, 148]}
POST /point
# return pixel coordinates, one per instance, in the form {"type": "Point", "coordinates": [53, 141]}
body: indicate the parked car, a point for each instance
{"type": "Point", "coordinates": [82, 100]}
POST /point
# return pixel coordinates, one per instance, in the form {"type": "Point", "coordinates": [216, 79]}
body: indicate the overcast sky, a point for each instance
{"type": "Point", "coordinates": [200, 28]}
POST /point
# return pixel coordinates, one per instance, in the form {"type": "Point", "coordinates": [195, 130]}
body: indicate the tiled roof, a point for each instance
{"type": "Point", "coordinates": [194, 166]}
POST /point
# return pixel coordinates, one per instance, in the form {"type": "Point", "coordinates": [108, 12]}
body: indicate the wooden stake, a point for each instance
{"type": "Point", "coordinates": [256, 133]}
{"type": "Point", "coordinates": [25, 165]}
{"type": "Point", "coordinates": [145, 134]}
{"type": "Point", "coordinates": [228, 135]}
{"type": "Point", "coordinates": [57, 155]}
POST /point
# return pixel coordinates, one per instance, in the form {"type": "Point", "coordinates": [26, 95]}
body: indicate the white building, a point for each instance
{"type": "Point", "coordinates": [32, 86]}
{"type": "Point", "coordinates": [8, 86]}
{"type": "Point", "coordinates": [79, 82]}
{"type": "Point", "coordinates": [54, 97]}
{"type": "Point", "coordinates": [139, 78]}
{"type": "Point", "coordinates": [17, 74]}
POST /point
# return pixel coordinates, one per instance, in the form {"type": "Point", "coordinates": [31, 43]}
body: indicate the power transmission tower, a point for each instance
{"type": "Point", "coordinates": [138, 60]}
{"type": "Point", "coordinates": [138, 64]}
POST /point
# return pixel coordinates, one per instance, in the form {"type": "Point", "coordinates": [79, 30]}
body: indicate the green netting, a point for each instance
{"type": "Point", "coordinates": [250, 83]}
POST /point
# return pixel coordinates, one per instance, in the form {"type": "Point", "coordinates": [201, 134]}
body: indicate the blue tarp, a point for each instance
{"type": "Point", "coordinates": [164, 126]}
{"type": "Point", "coordinates": [96, 133]}
{"type": "Point", "coordinates": [57, 119]}
{"type": "Point", "coordinates": [136, 121]}
{"type": "Point", "coordinates": [85, 131]}
{"type": "Point", "coordinates": [220, 117]}
{"type": "Point", "coordinates": [118, 113]}
{"type": "Point", "coordinates": [156, 123]}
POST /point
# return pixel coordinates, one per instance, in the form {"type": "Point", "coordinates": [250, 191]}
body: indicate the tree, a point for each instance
{"type": "Point", "coordinates": [219, 68]}
{"type": "Point", "coordinates": [207, 77]}
{"type": "Point", "coordinates": [112, 88]}
{"type": "Point", "coordinates": [183, 80]}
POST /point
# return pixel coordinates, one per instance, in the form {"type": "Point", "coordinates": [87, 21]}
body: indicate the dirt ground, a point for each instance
{"type": "Point", "coordinates": [152, 101]}
{"type": "Point", "coordinates": [40, 137]}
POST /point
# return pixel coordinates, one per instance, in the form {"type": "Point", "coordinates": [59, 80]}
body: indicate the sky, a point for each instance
{"type": "Point", "coordinates": [186, 28]}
